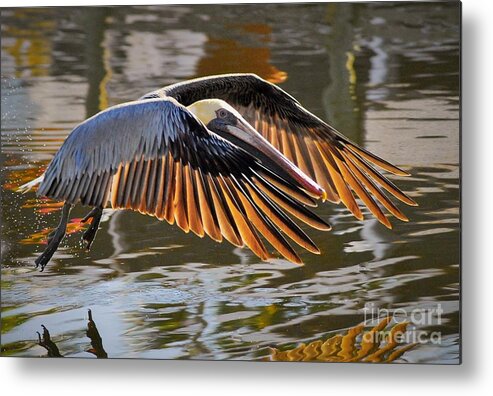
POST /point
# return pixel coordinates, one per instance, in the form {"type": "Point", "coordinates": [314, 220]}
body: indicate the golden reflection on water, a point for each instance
{"type": "Point", "coordinates": [42, 205]}
{"type": "Point", "coordinates": [103, 85]}
{"type": "Point", "coordinates": [376, 345]}
{"type": "Point", "coordinates": [18, 174]}
{"type": "Point", "coordinates": [40, 238]}
{"type": "Point", "coordinates": [32, 49]}
{"type": "Point", "coordinates": [231, 56]}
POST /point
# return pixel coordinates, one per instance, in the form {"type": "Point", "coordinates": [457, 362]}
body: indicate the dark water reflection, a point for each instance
{"type": "Point", "coordinates": [387, 76]}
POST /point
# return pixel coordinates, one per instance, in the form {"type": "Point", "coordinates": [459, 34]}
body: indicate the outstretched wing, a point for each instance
{"type": "Point", "coordinates": [155, 157]}
{"type": "Point", "coordinates": [338, 165]}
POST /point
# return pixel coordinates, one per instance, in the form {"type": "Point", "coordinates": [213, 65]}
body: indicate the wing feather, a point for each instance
{"type": "Point", "coordinates": [261, 222]}
{"type": "Point", "coordinates": [179, 200]}
{"type": "Point", "coordinates": [151, 185]}
{"type": "Point", "coordinates": [282, 221]}
{"type": "Point", "coordinates": [137, 184]}
{"type": "Point", "coordinates": [384, 182]}
{"type": "Point", "coordinates": [340, 184]}
{"type": "Point", "coordinates": [322, 172]}
{"type": "Point", "coordinates": [168, 212]}
{"type": "Point", "coordinates": [245, 228]}
{"type": "Point", "coordinates": [375, 190]}
{"type": "Point", "coordinates": [162, 175]}
{"type": "Point", "coordinates": [206, 206]}
{"type": "Point", "coordinates": [194, 218]}
{"type": "Point", "coordinates": [224, 218]}
{"type": "Point", "coordinates": [129, 184]}
{"type": "Point", "coordinates": [351, 180]}
{"type": "Point", "coordinates": [290, 204]}
{"type": "Point", "coordinates": [141, 196]}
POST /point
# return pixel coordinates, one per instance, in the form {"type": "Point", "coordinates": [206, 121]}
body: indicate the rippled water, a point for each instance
{"type": "Point", "coordinates": [385, 75]}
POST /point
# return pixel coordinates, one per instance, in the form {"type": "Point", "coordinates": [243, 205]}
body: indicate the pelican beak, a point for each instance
{"type": "Point", "coordinates": [245, 136]}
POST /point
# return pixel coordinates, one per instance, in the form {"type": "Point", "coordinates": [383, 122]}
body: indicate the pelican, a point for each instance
{"type": "Point", "coordinates": [233, 157]}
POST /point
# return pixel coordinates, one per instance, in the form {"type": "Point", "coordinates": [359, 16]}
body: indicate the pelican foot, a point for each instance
{"type": "Point", "coordinates": [54, 239]}
{"type": "Point", "coordinates": [88, 236]}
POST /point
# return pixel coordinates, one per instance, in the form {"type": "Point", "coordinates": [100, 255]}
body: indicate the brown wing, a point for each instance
{"type": "Point", "coordinates": [156, 158]}
{"type": "Point", "coordinates": [345, 170]}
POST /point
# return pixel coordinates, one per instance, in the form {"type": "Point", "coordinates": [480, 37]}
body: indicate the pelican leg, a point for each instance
{"type": "Point", "coordinates": [54, 238]}
{"type": "Point", "coordinates": [51, 235]}
{"type": "Point", "coordinates": [88, 237]}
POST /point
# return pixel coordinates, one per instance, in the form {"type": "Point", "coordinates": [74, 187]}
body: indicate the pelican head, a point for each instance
{"type": "Point", "coordinates": [222, 119]}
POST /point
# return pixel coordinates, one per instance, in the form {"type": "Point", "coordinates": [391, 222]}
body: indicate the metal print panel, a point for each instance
{"type": "Point", "coordinates": [261, 182]}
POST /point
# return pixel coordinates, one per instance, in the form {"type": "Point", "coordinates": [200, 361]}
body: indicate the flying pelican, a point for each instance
{"type": "Point", "coordinates": [228, 156]}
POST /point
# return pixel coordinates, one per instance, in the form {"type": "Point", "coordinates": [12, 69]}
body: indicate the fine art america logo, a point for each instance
{"type": "Point", "coordinates": [416, 319]}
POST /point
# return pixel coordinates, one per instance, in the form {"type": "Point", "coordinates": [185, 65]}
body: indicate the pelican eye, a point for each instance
{"type": "Point", "coordinates": [222, 113]}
